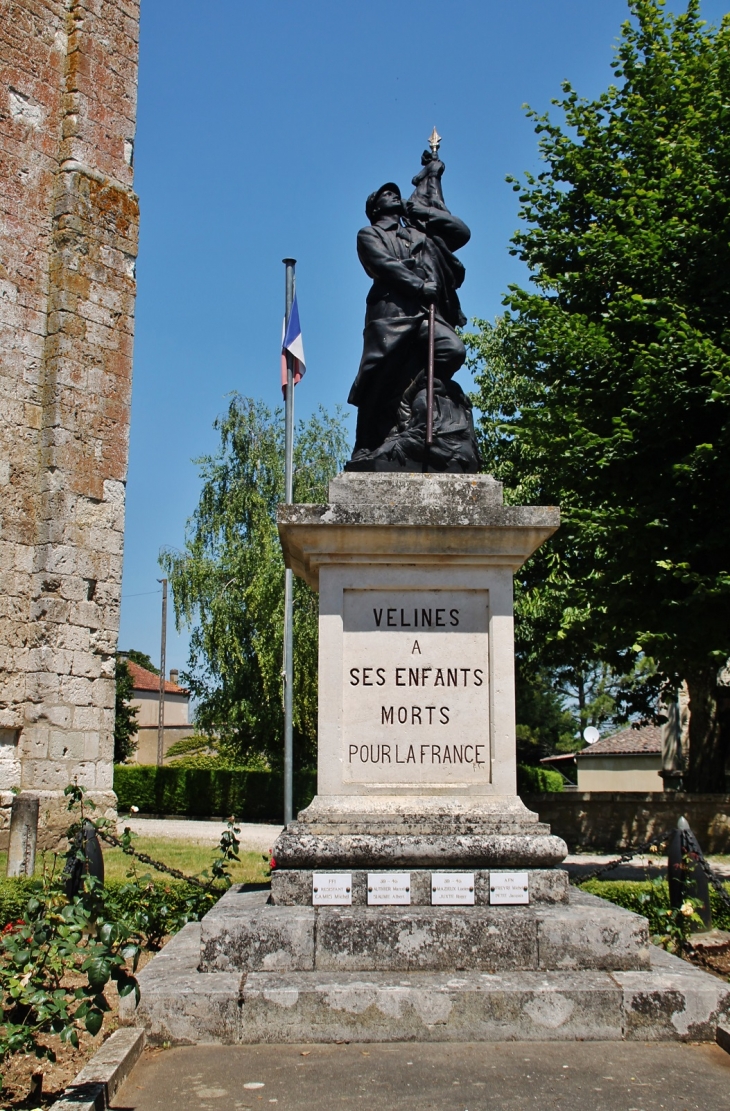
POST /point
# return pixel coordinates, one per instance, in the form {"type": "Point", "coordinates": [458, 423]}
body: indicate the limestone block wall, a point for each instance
{"type": "Point", "coordinates": [68, 242]}
{"type": "Point", "coordinates": [615, 821]}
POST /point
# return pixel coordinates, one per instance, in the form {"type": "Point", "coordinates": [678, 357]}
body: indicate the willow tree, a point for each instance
{"type": "Point", "coordinates": [605, 386]}
{"type": "Point", "coordinates": [228, 582]}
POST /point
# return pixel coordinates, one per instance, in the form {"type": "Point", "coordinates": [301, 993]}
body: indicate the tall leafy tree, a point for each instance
{"type": "Point", "coordinates": [544, 724]}
{"type": "Point", "coordinates": [228, 583]}
{"type": "Point", "coordinates": [125, 715]}
{"type": "Point", "coordinates": [605, 386]}
{"type": "Point", "coordinates": [143, 660]}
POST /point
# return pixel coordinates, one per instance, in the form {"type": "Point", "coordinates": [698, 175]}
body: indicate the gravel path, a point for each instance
{"type": "Point", "coordinates": [580, 864]}
{"type": "Point", "coordinates": [253, 837]}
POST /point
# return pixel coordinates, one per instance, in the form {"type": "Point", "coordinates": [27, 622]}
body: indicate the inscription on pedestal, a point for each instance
{"type": "Point", "coordinates": [331, 889]}
{"type": "Point", "coordinates": [508, 888]}
{"type": "Point", "coordinates": [390, 889]}
{"type": "Point", "coordinates": [416, 691]}
{"type": "Point", "coordinates": [452, 889]}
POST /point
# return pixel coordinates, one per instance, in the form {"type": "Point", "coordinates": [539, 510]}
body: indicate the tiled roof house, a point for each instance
{"type": "Point", "coordinates": [629, 760]}
{"type": "Point", "coordinates": [146, 700]}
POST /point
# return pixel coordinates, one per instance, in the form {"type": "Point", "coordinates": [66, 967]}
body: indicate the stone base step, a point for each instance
{"type": "Point", "coordinates": [671, 1000]}
{"type": "Point", "coordinates": [299, 847]}
{"type": "Point", "coordinates": [245, 933]}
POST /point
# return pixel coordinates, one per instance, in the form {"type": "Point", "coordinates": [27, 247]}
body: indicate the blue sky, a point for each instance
{"type": "Point", "coordinates": [262, 127]}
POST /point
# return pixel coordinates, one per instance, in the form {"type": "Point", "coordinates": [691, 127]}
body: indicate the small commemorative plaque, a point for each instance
{"type": "Point", "coordinates": [508, 888]}
{"type": "Point", "coordinates": [390, 889]}
{"type": "Point", "coordinates": [331, 889]}
{"type": "Point", "coordinates": [452, 889]}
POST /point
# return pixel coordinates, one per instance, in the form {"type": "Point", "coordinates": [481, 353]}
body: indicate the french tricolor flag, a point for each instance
{"type": "Point", "coordinates": [292, 343]}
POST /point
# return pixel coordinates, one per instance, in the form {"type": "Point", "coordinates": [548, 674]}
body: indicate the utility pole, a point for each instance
{"type": "Point", "coordinates": [288, 668]}
{"type": "Point", "coordinates": [163, 648]}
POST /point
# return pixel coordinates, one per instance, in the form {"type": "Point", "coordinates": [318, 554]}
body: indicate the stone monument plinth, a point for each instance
{"type": "Point", "coordinates": [417, 898]}
{"type": "Point", "coordinates": [416, 744]}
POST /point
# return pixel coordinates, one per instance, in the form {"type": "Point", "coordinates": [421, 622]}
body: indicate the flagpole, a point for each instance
{"type": "Point", "coordinates": [288, 669]}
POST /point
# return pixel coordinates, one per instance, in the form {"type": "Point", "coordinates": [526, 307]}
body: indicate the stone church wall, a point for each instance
{"type": "Point", "coordinates": [68, 243]}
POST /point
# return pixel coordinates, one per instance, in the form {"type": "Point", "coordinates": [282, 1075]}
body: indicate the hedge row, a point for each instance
{"type": "Point", "coordinates": [628, 894]}
{"type": "Point", "coordinates": [208, 792]}
{"type": "Point", "coordinates": [537, 780]}
{"type": "Point", "coordinates": [249, 795]}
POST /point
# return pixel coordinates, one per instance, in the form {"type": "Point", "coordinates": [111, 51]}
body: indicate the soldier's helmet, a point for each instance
{"type": "Point", "coordinates": [371, 203]}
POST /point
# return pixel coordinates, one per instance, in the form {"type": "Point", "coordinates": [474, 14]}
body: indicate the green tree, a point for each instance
{"type": "Point", "coordinates": [228, 583]}
{"type": "Point", "coordinates": [544, 725]}
{"type": "Point", "coordinates": [599, 696]}
{"type": "Point", "coordinates": [605, 387]}
{"type": "Point", "coordinates": [143, 660]}
{"type": "Point", "coordinates": [125, 716]}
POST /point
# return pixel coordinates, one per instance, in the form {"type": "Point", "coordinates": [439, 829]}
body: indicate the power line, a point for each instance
{"type": "Point", "coordinates": [142, 595]}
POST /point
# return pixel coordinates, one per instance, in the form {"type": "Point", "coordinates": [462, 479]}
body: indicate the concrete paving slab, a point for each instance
{"type": "Point", "coordinates": [512, 1076]}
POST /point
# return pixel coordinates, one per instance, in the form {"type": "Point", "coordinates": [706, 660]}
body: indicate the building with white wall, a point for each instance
{"type": "Point", "coordinates": [146, 701]}
{"type": "Point", "coordinates": [630, 760]}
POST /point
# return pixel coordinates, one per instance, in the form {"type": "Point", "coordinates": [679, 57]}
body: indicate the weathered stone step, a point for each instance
{"type": "Point", "coordinates": [298, 847]}
{"type": "Point", "coordinates": [671, 1000]}
{"type": "Point", "coordinates": [243, 934]}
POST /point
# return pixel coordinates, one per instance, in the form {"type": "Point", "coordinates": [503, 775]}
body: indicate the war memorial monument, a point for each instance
{"type": "Point", "coordinates": [416, 897]}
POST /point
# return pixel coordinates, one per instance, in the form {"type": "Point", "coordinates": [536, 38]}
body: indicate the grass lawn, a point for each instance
{"type": "Point", "coordinates": [190, 859]}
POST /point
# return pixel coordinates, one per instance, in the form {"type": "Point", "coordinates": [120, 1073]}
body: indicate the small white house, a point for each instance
{"type": "Point", "coordinates": [630, 760]}
{"type": "Point", "coordinates": [146, 701]}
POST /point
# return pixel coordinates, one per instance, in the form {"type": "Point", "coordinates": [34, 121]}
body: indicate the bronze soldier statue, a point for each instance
{"type": "Point", "coordinates": [408, 251]}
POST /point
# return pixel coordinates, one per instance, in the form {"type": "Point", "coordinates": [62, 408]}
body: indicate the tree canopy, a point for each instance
{"type": "Point", "coordinates": [228, 583]}
{"type": "Point", "coordinates": [605, 387]}
{"type": "Point", "coordinates": [125, 716]}
{"type": "Point", "coordinates": [143, 660]}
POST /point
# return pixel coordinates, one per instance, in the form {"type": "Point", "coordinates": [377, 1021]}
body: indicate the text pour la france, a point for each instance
{"type": "Point", "coordinates": [418, 754]}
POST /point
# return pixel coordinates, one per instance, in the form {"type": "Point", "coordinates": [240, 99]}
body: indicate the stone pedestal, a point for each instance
{"type": "Point", "coordinates": [417, 778]}
{"type": "Point", "coordinates": [416, 764]}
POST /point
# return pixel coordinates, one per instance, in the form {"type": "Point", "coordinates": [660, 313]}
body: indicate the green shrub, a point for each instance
{"type": "Point", "coordinates": [14, 896]}
{"type": "Point", "coordinates": [67, 925]}
{"type": "Point", "coordinates": [532, 780]}
{"type": "Point", "coordinates": [53, 942]}
{"type": "Point", "coordinates": [251, 795]}
{"type": "Point", "coordinates": [169, 898]}
{"type": "Point", "coordinates": [649, 898]}
{"type": "Point", "coordinates": [192, 746]}
{"type": "Point", "coordinates": [200, 751]}
{"type": "Point", "coordinates": [157, 908]}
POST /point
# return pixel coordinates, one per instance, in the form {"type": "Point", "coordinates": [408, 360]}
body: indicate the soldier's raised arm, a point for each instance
{"type": "Point", "coordinates": [439, 221]}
